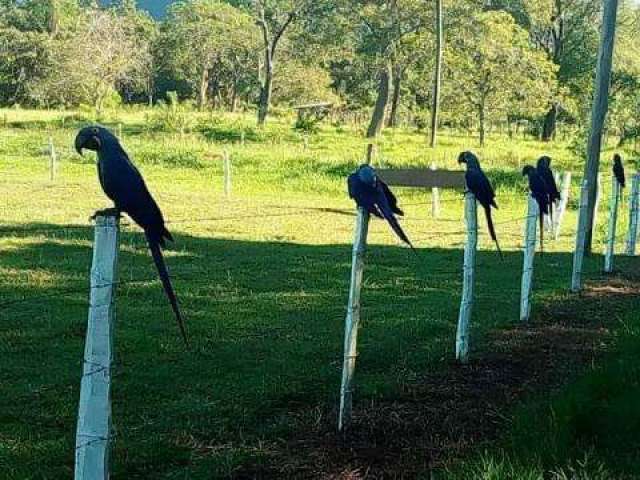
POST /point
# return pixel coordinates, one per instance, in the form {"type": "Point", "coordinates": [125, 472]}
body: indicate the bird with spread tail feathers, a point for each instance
{"type": "Point", "coordinates": [372, 194]}
{"type": "Point", "coordinates": [479, 185]}
{"type": "Point", "coordinates": [540, 192]}
{"type": "Point", "coordinates": [123, 184]}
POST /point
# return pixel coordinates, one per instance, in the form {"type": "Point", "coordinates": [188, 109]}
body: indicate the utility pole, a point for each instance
{"type": "Point", "coordinates": [599, 112]}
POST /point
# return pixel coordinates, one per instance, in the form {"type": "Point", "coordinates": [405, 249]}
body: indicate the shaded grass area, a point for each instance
{"type": "Point", "coordinates": [266, 321]}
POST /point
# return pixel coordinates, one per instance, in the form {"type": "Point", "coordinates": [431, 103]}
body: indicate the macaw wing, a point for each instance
{"type": "Point", "coordinates": [387, 213]}
{"type": "Point", "coordinates": [480, 186]}
{"type": "Point", "coordinates": [391, 198]}
{"type": "Point", "coordinates": [364, 196]}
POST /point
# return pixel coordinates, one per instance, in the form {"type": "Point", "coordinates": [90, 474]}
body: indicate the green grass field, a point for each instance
{"type": "Point", "coordinates": [262, 277]}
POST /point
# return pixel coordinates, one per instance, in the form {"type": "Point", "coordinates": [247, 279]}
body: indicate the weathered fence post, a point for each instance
{"type": "Point", "coordinates": [226, 168]}
{"type": "Point", "coordinates": [564, 201]}
{"type": "Point", "coordinates": [353, 318]}
{"type": "Point", "coordinates": [613, 221]}
{"type": "Point", "coordinates": [529, 254]}
{"type": "Point", "coordinates": [578, 255]}
{"type": "Point", "coordinates": [634, 207]}
{"type": "Point", "coordinates": [435, 198]}
{"type": "Point", "coordinates": [466, 303]}
{"type": "Point", "coordinates": [53, 160]}
{"type": "Point", "coordinates": [94, 412]}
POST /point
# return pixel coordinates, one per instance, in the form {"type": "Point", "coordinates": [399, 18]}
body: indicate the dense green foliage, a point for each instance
{"type": "Point", "coordinates": [505, 61]}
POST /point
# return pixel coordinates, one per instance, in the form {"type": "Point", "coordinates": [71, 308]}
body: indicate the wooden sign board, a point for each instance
{"type": "Point", "coordinates": [422, 177]}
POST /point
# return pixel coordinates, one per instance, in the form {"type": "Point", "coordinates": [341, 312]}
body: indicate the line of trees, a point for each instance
{"type": "Point", "coordinates": [501, 61]}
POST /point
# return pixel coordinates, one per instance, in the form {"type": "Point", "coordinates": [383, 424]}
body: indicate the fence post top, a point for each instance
{"type": "Point", "coordinates": [107, 218]}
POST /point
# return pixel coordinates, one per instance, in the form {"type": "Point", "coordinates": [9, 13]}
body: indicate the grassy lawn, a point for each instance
{"type": "Point", "coordinates": [262, 277]}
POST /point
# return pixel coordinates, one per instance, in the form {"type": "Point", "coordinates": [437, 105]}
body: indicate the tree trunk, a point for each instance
{"type": "Point", "coordinates": [550, 123]}
{"type": "Point", "coordinates": [392, 121]}
{"type": "Point", "coordinates": [265, 95]}
{"type": "Point", "coordinates": [234, 95]}
{"type": "Point", "coordinates": [598, 113]}
{"type": "Point", "coordinates": [215, 93]}
{"type": "Point", "coordinates": [377, 118]}
{"type": "Point", "coordinates": [435, 108]}
{"type": "Point", "coordinates": [54, 18]}
{"type": "Point", "coordinates": [204, 87]}
{"type": "Point", "coordinates": [482, 122]}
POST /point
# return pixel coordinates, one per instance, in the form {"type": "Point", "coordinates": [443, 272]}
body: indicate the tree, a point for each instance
{"type": "Point", "coordinates": [566, 31]}
{"type": "Point", "coordinates": [381, 27]}
{"type": "Point", "coordinates": [24, 57]}
{"type": "Point", "coordinates": [28, 31]}
{"type": "Point", "coordinates": [493, 67]}
{"type": "Point", "coordinates": [199, 40]}
{"type": "Point", "coordinates": [297, 83]}
{"type": "Point", "coordinates": [273, 18]}
{"type": "Point", "coordinates": [89, 64]}
{"type": "Point", "coordinates": [143, 31]}
{"type": "Point", "coordinates": [624, 108]}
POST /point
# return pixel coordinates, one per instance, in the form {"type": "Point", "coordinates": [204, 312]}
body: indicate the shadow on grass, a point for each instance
{"type": "Point", "coordinates": [266, 320]}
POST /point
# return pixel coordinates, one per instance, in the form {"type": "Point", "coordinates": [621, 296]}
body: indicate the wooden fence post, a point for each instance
{"type": "Point", "coordinates": [435, 198]}
{"type": "Point", "coordinates": [634, 206]}
{"type": "Point", "coordinates": [613, 221]}
{"type": "Point", "coordinates": [353, 319]}
{"type": "Point", "coordinates": [562, 208]}
{"type": "Point", "coordinates": [53, 160]}
{"type": "Point", "coordinates": [578, 255]}
{"type": "Point", "coordinates": [529, 254]}
{"type": "Point", "coordinates": [226, 168]}
{"type": "Point", "coordinates": [466, 303]}
{"type": "Point", "coordinates": [94, 412]}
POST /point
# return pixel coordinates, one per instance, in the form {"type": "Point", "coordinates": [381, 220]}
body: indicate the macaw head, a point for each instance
{"type": "Point", "coordinates": [94, 137]}
{"type": "Point", "coordinates": [367, 175]}
{"type": "Point", "coordinates": [544, 161]}
{"type": "Point", "coordinates": [469, 159]}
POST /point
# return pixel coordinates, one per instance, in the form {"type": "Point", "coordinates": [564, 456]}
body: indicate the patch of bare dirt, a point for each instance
{"type": "Point", "coordinates": [439, 417]}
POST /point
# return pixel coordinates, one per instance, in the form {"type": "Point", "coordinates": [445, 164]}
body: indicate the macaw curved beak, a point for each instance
{"type": "Point", "coordinates": [87, 139]}
{"type": "Point", "coordinates": [79, 143]}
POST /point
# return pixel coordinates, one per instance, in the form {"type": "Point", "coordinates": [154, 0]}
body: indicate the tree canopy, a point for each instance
{"type": "Point", "coordinates": [504, 61]}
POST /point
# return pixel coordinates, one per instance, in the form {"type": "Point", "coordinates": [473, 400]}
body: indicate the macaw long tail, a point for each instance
{"type": "Point", "coordinates": [492, 230]}
{"type": "Point", "coordinates": [395, 225]}
{"type": "Point", "coordinates": [542, 231]}
{"type": "Point", "coordinates": [158, 259]}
